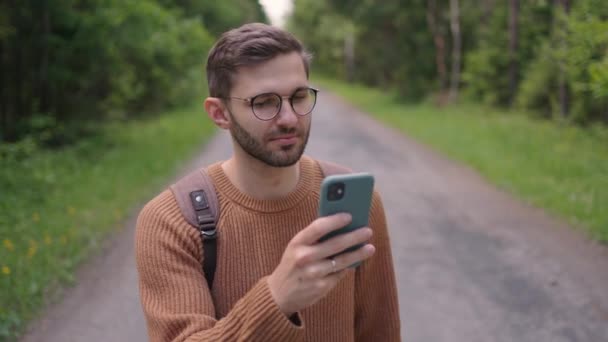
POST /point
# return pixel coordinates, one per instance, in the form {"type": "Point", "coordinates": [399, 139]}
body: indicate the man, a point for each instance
{"type": "Point", "coordinates": [274, 281]}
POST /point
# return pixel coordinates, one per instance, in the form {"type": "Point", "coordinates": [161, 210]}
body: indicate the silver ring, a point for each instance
{"type": "Point", "coordinates": [333, 266]}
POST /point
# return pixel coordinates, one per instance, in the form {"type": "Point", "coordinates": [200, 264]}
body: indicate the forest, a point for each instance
{"type": "Point", "coordinates": [68, 65]}
{"type": "Point", "coordinates": [548, 57]}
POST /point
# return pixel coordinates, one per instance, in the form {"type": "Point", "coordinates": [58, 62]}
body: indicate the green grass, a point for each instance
{"type": "Point", "coordinates": [562, 168]}
{"type": "Point", "coordinates": [57, 206]}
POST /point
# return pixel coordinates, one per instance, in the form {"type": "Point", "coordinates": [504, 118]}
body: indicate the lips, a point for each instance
{"type": "Point", "coordinates": [285, 139]}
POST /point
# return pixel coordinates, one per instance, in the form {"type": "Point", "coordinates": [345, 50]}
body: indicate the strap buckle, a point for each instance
{"type": "Point", "coordinates": [206, 225]}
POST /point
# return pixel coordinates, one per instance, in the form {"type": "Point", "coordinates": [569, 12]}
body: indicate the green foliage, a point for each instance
{"type": "Point", "coordinates": [219, 16]}
{"type": "Point", "coordinates": [5, 28]}
{"type": "Point", "coordinates": [586, 55]}
{"type": "Point", "coordinates": [382, 56]}
{"type": "Point", "coordinates": [75, 61]}
{"type": "Point", "coordinates": [577, 54]}
{"type": "Point", "coordinates": [393, 51]}
{"type": "Point", "coordinates": [57, 206]}
{"type": "Point", "coordinates": [557, 53]}
{"type": "Point", "coordinates": [598, 79]}
{"type": "Point", "coordinates": [486, 67]}
{"type": "Point", "coordinates": [539, 87]}
{"type": "Point", "coordinates": [323, 32]}
{"type": "Point", "coordinates": [151, 57]}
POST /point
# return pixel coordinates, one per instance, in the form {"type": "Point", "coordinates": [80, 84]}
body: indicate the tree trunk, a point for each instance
{"type": "Point", "coordinates": [456, 49]}
{"type": "Point", "coordinates": [513, 45]}
{"type": "Point", "coordinates": [563, 94]}
{"type": "Point", "coordinates": [439, 41]}
{"type": "Point", "coordinates": [18, 73]}
{"type": "Point", "coordinates": [3, 97]}
{"type": "Point", "coordinates": [487, 6]}
{"type": "Point", "coordinates": [349, 55]}
{"type": "Point", "coordinates": [44, 63]}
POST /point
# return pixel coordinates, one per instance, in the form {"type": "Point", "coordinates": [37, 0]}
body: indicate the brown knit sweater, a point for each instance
{"type": "Point", "coordinates": [253, 234]}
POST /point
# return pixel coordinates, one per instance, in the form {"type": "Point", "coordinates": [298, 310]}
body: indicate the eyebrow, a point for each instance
{"type": "Point", "coordinates": [274, 92]}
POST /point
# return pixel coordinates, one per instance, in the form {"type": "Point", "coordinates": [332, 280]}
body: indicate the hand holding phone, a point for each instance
{"type": "Point", "coordinates": [305, 273]}
{"type": "Point", "coordinates": [349, 193]}
{"type": "Point", "coordinates": [308, 270]}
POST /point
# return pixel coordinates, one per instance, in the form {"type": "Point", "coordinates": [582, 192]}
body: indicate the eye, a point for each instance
{"type": "Point", "coordinates": [260, 104]}
{"type": "Point", "coordinates": [300, 95]}
{"type": "Point", "coordinates": [266, 101]}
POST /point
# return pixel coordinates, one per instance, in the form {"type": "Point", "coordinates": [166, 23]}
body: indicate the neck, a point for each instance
{"type": "Point", "coordinates": [260, 180]}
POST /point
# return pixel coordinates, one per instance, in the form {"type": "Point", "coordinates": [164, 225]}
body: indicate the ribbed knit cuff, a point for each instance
{"type": "Point", "coordinates": [277, 327]}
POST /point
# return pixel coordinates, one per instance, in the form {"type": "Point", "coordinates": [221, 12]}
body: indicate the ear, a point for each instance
{"type": "Point", "coordinates": [217, 112]}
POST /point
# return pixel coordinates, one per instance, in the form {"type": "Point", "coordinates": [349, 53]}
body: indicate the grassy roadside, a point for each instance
{"type": "Point", "coordinates": [56, 206]}
{"type": "Point", "coordinates": [558, 167]}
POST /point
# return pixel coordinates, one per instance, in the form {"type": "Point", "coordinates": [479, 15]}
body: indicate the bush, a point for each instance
{"type": "Point", "coordinates": [148, 49]}
{"type": "Point", "coordinates": [100, 59]}
{"type": "Point", "coordinates": [486, 68]}
{"type": "Point", "coordinates": [577, 52]}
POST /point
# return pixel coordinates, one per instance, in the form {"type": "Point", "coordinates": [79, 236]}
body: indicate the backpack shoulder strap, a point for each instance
{"type": "Point", "coordinates": [197, 200]}
{"type": "Point", "coordinates": [329, 168]}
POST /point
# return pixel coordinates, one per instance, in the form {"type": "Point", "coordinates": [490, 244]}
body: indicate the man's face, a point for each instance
{"type": "Point", "coordinates": [281, 141]}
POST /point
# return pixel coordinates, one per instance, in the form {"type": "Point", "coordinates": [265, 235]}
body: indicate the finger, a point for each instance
{"type": "Point", "coordinates": [347, 259]}
{"type": "Point", "coordinates": [320, 269]}
{"type": "Point", "coordinates": [321, 227]}
{"type": "Point", "coordinates": [334, 278]}
{"type": "Point", "coordinates": [341, 242]}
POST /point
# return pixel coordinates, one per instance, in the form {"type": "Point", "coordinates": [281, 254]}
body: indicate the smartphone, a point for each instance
{"type": "Point", "coordinates": [350, 193]}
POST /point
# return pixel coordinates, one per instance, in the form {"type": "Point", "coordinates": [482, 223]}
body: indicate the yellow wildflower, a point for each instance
{"type": "Point", "coordinates": [31, 251]}
{"type": "Point", "coordinates": [8, 244]}
{"type": "Point", "coordinates": [71, 210]}
{"type": "Point", "coordinates": [36, 217]}
{"type": "Point", "coordinates": [6, 270]}
{"type": "Point", "coordinates": [47, 239]}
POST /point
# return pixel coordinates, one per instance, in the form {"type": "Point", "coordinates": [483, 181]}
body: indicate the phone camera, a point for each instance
{"type": "Point", "coordinates": [336, 191]}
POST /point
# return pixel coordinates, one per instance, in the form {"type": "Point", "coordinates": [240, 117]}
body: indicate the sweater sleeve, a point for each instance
{"type": "Point", "coordinates": [174, 294]}
{"type": "Point", "coordinates": [377, 308]}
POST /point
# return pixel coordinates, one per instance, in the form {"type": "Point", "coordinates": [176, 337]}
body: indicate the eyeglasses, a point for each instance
{"type": "Point", "coordinates": [266, 106]}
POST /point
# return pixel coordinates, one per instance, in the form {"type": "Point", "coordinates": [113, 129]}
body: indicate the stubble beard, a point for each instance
{"type": "Point", "coordinates": [288, 156]}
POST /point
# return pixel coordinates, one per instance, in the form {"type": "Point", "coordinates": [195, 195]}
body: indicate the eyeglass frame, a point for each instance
{"type": "Point", "coordinates": [250, 100]}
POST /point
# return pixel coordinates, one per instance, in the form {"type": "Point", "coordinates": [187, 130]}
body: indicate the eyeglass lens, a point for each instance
{"type": "Point", "coordinates": [266, 106]}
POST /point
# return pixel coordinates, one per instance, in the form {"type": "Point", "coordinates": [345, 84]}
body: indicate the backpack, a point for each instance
{"type": "Point", "coordinates": [197, 200]}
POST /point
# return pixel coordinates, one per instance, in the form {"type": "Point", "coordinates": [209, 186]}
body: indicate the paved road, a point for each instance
{"type": "Point", "coordinates": [472, 263]}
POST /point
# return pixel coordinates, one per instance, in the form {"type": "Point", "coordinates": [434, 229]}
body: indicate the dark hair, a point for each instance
{"type": "Point", "coordinates": [248, 45]}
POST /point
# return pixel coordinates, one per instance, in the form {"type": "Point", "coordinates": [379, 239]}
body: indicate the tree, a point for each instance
{"type": "Point", "coordinates": [487, 7]}
{"type": "Point", "coordinates": [563, 86]}
{"type": "Point", "coordinates": [456, 50]}
{"type": "Point", "coordinates": [440, 47]}
{"type": "Point", "coordinates": [513, 56]}
{"type": "Point", "coordinates": [549, 56]}
{"type": "Point", "coordinates": [328, 35]}
{"type": "Point", "coordinates": [568, 78]}
{"type": "Point", "coordinates": [63, 62]}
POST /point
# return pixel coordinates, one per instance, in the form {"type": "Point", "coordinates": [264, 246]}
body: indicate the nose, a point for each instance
{"type": "Point", "coordinates": [286, 116]}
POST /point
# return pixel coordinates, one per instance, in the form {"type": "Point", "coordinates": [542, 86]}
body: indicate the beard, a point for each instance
{"type": "Point", "coordinates": [286, 156]}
